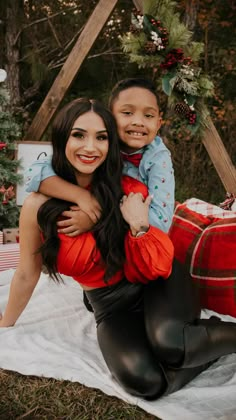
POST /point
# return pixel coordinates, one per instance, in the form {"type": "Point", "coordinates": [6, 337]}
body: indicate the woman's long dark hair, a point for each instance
{"type": "Point", "coordinates": [106, 187]}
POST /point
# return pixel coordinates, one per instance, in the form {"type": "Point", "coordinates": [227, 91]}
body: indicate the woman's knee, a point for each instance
{"type": "Point", "coordinates": [140, 380]}
{"type": "Point", "coordinates": [167, 341]}
{"type": "Point", "coordinates": [128, 356]}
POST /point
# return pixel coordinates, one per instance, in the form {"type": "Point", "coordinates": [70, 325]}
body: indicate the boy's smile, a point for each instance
{"type": "Point", "coordinates": [137, 116]}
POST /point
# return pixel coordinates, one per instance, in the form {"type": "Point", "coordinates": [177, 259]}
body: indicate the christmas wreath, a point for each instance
{"type": "Point", "coordinates": [158, 39]}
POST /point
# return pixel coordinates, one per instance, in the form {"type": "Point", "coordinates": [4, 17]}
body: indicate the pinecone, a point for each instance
{"type": "Point", "coordinates": [181, 108]}
{"type": "Point", "coordinates": [150, 47]}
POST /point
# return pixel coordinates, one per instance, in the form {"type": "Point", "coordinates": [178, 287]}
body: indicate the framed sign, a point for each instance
{"type": "Point", "coordinates": [27, 153]}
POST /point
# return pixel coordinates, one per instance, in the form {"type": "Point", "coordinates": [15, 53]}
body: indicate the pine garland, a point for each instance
{"type": "Point", "coordinates": [158, 39]}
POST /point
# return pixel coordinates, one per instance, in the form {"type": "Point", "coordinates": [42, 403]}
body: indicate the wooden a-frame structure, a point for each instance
{"type": "Point", "coordinates": [88, 36]}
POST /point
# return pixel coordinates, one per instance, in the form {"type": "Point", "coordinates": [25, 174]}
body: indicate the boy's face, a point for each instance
{"type": "Point", "coordinates": [137, 117]}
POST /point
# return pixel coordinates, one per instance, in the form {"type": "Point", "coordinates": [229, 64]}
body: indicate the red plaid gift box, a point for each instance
{"type": "Point", "coordinates": [10, 235]}
{"type": "Point", "coordinates": [207, 246]}
{"type": "Point", "coordinates": [9, 256]}
{"type": "Point", "coordinates": [185, 230]}
{"type": "Point", "coordinates": [208, 209]}
{"type": "Point", "coordinates": [213, 266]}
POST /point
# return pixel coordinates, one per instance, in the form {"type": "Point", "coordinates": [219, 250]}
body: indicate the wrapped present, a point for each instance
{"type": "Point", "coordinates": [209, 209]}
{"type": "Point", "coordinates": [9, 256]}
{"type": "Point", "coordinates": [206, 245]}
{"type": "Point", "coordinates": [10, 235]}
{"type": "Point", "coordinates": [213, 266]}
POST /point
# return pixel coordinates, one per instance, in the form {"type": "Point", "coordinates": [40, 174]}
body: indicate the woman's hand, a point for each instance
{"type": "Point", "coordinates": [1, 321]}
{"type": "Point", "coordinates": [134, 210]}
{"type": "Point", "coordinates": [77, 222]}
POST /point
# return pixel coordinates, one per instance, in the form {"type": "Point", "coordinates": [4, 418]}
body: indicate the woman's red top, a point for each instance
{"type": "Point", "coordinates": [147, 257]}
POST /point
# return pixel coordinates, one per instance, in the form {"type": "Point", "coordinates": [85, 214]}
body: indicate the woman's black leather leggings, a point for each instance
{"type": "Point", "coordinates": [151, 336]}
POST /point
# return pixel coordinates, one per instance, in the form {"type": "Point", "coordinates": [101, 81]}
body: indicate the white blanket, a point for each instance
{"type": "Point", "coordinates": [55, 337]}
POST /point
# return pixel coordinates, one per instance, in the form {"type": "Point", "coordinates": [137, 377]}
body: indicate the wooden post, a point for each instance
{"type": "Point", "coordinates": [138, 4]}
{"type": "Point", "coordinates": [219, 157]}
{"type": "Point", "coordinates": [70, 69]}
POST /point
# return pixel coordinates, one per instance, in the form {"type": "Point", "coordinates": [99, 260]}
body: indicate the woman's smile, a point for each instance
{"type": "Point", "coordinates": [87, 159]}
{"type": "Point", "coordinates": [87, 146]}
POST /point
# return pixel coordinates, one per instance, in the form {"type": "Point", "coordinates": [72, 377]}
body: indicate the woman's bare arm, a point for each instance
{"type": "Point", "coordinates": [28, 271]}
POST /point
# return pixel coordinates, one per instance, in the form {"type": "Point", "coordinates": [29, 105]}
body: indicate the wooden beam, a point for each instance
{"type": "Point", "coordinates": [215, 147]}
{"type": "Point", "coordinates": [219, 157]}
{"type": "Point", "coordinates": [138, 4]}
{"type": "Point", "coordinates": [70, 69]}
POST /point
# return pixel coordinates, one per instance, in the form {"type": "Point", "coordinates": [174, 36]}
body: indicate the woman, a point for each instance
{"type": "Point", "coordinates": [145, 306]}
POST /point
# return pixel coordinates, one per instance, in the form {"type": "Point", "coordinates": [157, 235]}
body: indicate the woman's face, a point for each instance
{"type": "Point", "coordinates": [87, 146]}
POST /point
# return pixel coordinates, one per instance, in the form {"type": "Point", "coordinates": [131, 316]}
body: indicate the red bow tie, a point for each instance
{"type": "Point", "coordinates": [134, 158]}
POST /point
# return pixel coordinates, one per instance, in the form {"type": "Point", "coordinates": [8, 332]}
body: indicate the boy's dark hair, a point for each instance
{"type": "Point", "coordinates": [130, 83]}
{"type": "Point", "coordinates": [106, 187]}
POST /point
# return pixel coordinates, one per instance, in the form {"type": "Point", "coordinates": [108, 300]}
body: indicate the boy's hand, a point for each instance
{"type": "Point", "coordinates": [89, 205]}
{"type": "Point", "coordinates": [77, 221]}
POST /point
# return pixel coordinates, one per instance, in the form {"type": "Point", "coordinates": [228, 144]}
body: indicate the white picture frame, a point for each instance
{"type": "Point", "coordinates": [27, 152]}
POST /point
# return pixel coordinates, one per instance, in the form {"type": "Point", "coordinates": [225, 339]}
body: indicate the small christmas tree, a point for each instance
{"type": "Point", "coordinates": [9, 133]}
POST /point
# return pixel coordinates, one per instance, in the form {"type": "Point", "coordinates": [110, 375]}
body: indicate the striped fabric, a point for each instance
{"type": "Point", "coordinates": [207, 246]}
{"type": "Point", "coordinates": [9, 256]}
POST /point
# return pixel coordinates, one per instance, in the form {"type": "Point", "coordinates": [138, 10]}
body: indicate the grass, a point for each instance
{"type": "Point", "coordinates": [34, 398]}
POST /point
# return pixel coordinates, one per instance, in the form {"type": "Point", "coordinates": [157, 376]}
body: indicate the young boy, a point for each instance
{"type": "Point", "coordinates": [134, 105]}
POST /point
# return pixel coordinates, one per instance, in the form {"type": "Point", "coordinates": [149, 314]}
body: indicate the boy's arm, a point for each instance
{"type": "Point", "coordinates": [40, 176]}
{"type": "Point", "coordinates": [64, 190]}
{"type": "Point", "coordinates": [76, 222]}
{"type": "Point", "coordinates": [161, 184]}
{"type": "Point", "coordinates": [29, 269]}
{"type": "Point", "coordinates": [37, 172]}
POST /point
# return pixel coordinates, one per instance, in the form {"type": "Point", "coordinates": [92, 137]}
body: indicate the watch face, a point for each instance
{"type": "Point", "coordinates": [143, 230]}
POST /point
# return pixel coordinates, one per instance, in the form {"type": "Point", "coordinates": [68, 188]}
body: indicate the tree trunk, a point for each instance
{"type": "Point", "coordinates": [190, 17]}
{"type": "Point", "coordinates": [14, 10]}
{"type": "Point", "coordinates": [2, 34]}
